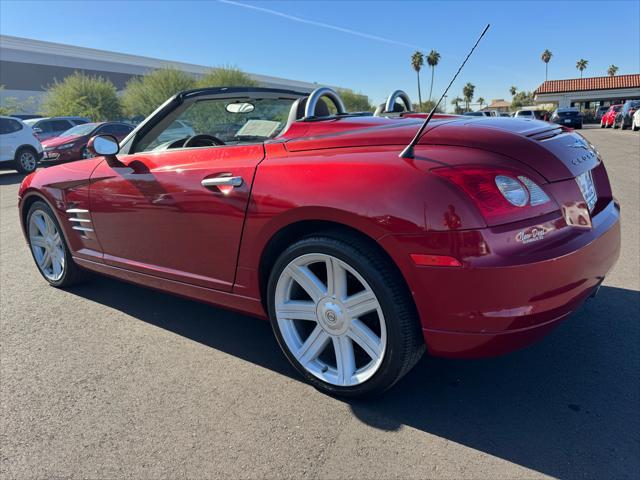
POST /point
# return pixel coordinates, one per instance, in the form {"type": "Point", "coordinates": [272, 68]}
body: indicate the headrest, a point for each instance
{"type": "Point", "coordinates": [321, 108]}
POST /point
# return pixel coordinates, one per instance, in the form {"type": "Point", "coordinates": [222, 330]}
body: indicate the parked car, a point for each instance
{"type": "Point", "coordinates": [532, 114]}
{"type": "Point", "coordinates": [568, 117]}
{"type": "Point", "coordinates": [25, 116]}
{"type": "Point", "coordinates": [635, 124]}
{"type": "Point", "coordinates": [72, 144]}
{"type": "Point", "coordinates": [505, 114]}
{"type": "Point", "coordinates": [53, 126]}
{"type": "Point", "coordinates": [625, 116]}
{"type": "Point", "coordinates": [600, 111]}
{"type": "Point", "coordinates": [19, 147]}
{"type": "Point", "coordinates": [480, 244]}
{"type": "Point", "coordinates": [608, 118]}
{"type": "Point", "coordinates": [482, 113]}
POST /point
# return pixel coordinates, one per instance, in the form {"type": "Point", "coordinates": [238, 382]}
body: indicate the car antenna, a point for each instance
{"type": "Point", "coordinates": [408, 151]}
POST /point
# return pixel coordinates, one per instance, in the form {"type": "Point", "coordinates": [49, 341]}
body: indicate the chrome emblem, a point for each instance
{"type": "Point", "coordinates": [532, 234]}
{"type": "Point", "coordinates": [580, 143]}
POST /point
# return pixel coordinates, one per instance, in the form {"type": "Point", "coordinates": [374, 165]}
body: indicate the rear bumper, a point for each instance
{"type": "Point", "coordinates": [502, 301]}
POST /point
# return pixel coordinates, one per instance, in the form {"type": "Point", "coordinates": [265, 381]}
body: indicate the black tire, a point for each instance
{"type": "Point", "coordinates": [634, 127]}
{"type": "Point", "coordinates": [21, 164]}
{"type": "Point", "coordinates": [601, 124]}
{"type": "Point", "coordinates": [72, 273]}
{"type": "Point", "coordinates": [622, 124]}
{"type": "Point", "coordinates": [615, 123]}
{"type": "Point", "coordinates": [405, 342]}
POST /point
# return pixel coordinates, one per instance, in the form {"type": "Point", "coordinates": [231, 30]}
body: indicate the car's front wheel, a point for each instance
{"type": "Point", "coordinates": [26, 160]}
{"type": "Point", "coordinates": [49, 249]}
{"type": "Point", "coordinates": [634, 126]}
{"type": "Point", "coordinates": [343, 316]}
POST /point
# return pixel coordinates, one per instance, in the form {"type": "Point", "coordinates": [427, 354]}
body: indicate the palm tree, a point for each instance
{"type": "Point", "coordinates": [480, 101]}
{"type": "Point", "coordinates": [513, 90]}
{"type": "Point", "coordinates": [456, 104]}
{"type": "Point", "coordinates": [545, 57]}
{"type": "Point", "coordinates": [612, 70]}
{"type": "Point", "coordinates": [582, 65]}
{"type": "Point", "coordinates": [467, 93]}
{"type": "Point", "coordinates": [432, 59]}
{"type": "Point", "coordinates": [417, 61]}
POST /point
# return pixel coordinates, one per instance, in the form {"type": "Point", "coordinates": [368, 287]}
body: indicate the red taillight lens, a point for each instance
{"type": "Point", "coordinates": [495, 191]}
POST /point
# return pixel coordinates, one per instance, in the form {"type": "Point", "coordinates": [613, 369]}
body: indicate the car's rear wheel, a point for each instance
{"type": "Point", "coordinates": [634, 127]}
{"type": "Point", "coordinates": [343, 316]}
{"type": "Point", "coordinates": [49, 249]}
{"type": "Point", "coordinates": [26, 160]}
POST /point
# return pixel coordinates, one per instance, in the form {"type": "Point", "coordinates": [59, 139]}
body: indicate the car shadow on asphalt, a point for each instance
{"type": "Point", "coordinates": [566, 406]}
{"type": "Point", "coordinates": [11, 178]}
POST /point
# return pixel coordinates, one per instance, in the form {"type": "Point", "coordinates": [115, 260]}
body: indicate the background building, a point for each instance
{"type": "Point", "coordinates": [588, 93]}
{"type": "Point", "coordinates": [498, 104]}
{"type": "Point", "coordinates": [28, 66]}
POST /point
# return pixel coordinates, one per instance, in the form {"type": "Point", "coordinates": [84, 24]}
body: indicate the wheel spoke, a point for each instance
{"type": "Point", "coordinates": [45, 260]}
{"type": "Point", "coordinates": [345, 359]}
{"type": "Point", "coordinates": [307, 280]}
{"type": "Point", "coordinates": [40, 224]}
{"type": "Point", "coordinates": [297, 310]}
{"type": "Point", "coordinates": [336, 278]}
{"type": "Point", "coordinates": [361, 303]}
{"type": "Point", "coordinates": [364, 336]}
{"type": "Point", "coordinates": [56, 264]}
{"type": "Point", "coordinates": [38, 242]}
{"type": "Point", "coordinates": [51, 229]}
{"type": "Point", "coordinates": [313, 346]}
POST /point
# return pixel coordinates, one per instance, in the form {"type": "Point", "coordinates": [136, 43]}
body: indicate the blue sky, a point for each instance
{"type": "Point", "coordinates": [361, 45]}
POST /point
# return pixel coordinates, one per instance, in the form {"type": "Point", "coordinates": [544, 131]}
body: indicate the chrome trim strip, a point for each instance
{"type": "Point", "coordinates": [83, 229]}
{"type": "Point", "coordinates": [81, 220]}
{"type": "Point", "coordinates": [77, 210]}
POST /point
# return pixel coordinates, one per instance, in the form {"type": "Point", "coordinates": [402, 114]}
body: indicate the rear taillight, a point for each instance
{"type": "Point", "coordinates": [501, 195]}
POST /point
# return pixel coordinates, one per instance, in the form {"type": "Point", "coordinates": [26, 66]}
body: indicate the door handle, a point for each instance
{"type": "Point", "coordinates": [222, 181]}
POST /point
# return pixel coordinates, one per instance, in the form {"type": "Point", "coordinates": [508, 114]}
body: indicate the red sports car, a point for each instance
{"type": "Point", "coordinates": [72, 144]}
{"type": "Point", "coordinates": [609, 118]}
{"type": "Point", "coordinates": [491, 233]}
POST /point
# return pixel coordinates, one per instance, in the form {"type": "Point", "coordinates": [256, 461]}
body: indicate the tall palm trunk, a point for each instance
{"type": "Point", "coordinates": [419, 93]}
{"type": "Point", "coordinates": [433, 70]}
{"type": "Point", "coordinates": [546, 71]}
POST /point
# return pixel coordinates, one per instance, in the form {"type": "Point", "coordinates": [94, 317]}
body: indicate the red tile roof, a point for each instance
{"type": "Point", "coordinates": [591, 83]}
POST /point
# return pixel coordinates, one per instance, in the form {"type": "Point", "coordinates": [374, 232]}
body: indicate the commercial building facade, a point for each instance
{"type": "Point", "coordinates": [28, 66]}
{"type": "Point", "coordinates": [589, 93]}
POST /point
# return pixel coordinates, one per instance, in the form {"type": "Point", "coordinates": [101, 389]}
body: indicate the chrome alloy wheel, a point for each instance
{"type": "Point", "coordinates": [27, 160]}
{"type": "Point", "coordinates": [330, 319]}
{"type": "Point", "coordinates": [47, 246]}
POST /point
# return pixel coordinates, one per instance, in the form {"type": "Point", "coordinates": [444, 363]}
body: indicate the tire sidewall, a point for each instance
{"type": "Point", "coordinates": [390, 367]}
{"type": "Point", "coordinates": [44, 207]}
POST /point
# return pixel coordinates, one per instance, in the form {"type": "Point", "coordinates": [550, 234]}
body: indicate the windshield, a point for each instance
{"type": "Point", "coordinates": [80, 130]}
{"type": "Point", "coordinates": [257, 120]}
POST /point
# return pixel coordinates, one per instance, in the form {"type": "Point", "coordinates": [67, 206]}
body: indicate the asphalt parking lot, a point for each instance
{"type": "Point", "coordinates": [112, 380]}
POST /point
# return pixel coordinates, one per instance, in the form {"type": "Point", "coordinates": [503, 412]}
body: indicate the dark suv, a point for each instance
{"type": "Point", "coordinates": [569, 117]}
{"type": "Point", "coordinates": [625, 115]}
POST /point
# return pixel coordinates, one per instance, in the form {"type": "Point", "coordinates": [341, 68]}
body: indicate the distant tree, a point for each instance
{"type": "Point", "coordinates": [428, 105]}
{"type": "Point", "coordinates": [582, 65]}
{"type": "Point", "coordinates": [513, 90]}
{"type": "Point", "coordinates": [521, 99]}
{"type": "Point", "coordinates": [226, 76]}
{"type": "Point", "coordinates": [432, 60]}
{"type": "Point", "coordinates": [480, 101]}
{"type": "Point", "coordinates": [456, 105]}
{"type": "Point", "coordinates": [467, 93]}
{"type": "Point", "coordinates": [417, 61]}
{"type": "Point", "coordinates": [84, 96]}
{"type": "Point", "coordinates": [354, 102]}
{"type": "Point", "coordinates": [612, 70]}
{"type": "Point", "coordinates": [546, 57]}
{"type": "Point", "coordinates": [142, 95]}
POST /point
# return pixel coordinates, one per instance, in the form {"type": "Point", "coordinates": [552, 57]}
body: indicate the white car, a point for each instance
{"type": "Point", "coordinates": [531, 114]}
{"type": "Point", "coordinates": [635, 122]}
{"type": "Point", "coordinates": [19, 147]}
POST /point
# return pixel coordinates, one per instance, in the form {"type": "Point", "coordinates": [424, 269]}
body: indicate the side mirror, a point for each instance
{"type": "Point", "coordinates": [105, 146]}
